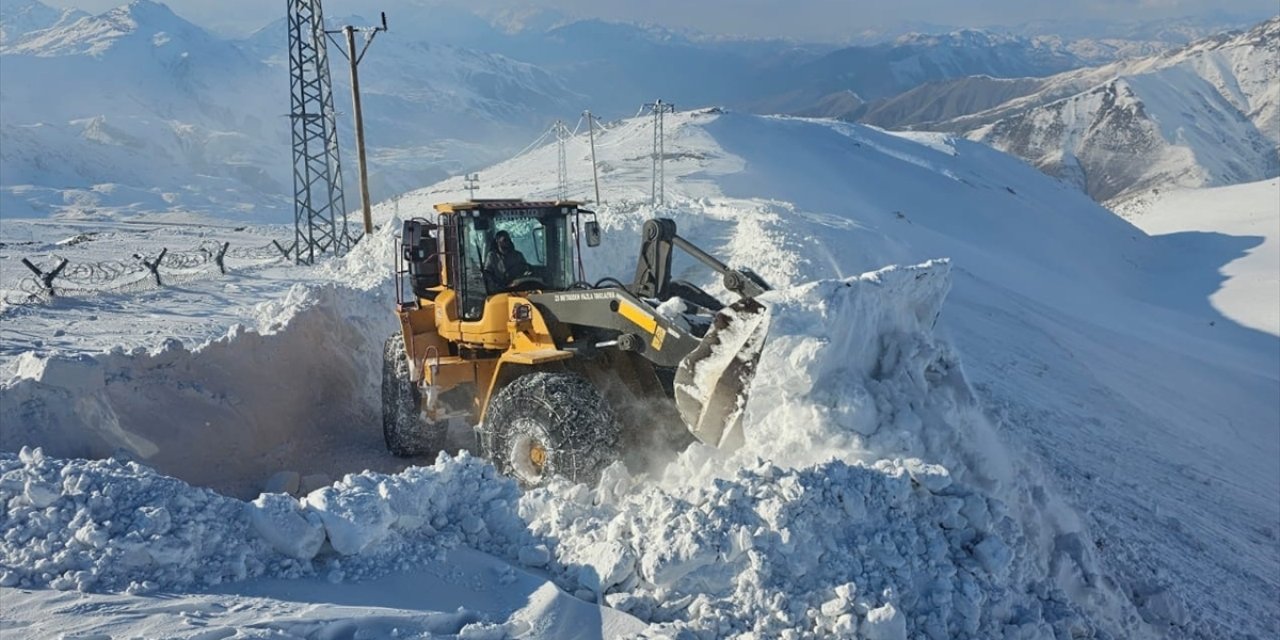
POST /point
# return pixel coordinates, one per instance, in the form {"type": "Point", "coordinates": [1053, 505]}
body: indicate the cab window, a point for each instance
{"type": "Point", "coordinates": [544, 261]}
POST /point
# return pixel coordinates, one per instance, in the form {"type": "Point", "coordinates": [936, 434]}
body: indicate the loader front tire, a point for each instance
{"type": "Point", "coordinates": [543, 425]}
{"type": "Point", "coordinates": [407, 431]}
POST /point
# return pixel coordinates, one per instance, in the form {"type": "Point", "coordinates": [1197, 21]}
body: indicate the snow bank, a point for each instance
{"type": "Point", "coordinates": [112, 525]}
{"type": "Point", "coordinates": [109, 525]}
{"type": "Point", "coordinates": [869, 495]}
{"type": "Point", "coordinates": [292, 387]}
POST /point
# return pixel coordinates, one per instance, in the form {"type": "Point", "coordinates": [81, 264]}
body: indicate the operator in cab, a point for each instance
{"type": "Point", "coordinates": [505, 263]}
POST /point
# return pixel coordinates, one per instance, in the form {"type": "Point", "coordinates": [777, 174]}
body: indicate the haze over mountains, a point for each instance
{"type": "Point", "coordinates": [1200, 115]}
{"type": "Point", "coordinates": [138, 110]}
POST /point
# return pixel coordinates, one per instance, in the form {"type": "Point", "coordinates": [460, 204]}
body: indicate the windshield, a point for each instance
{"type": "Point", "coordinates": [513, 250]}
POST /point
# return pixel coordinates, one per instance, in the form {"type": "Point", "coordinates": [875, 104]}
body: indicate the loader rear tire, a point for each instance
{"type": "Point", "coordinates": [406, 430]}
{"type": "Point", "coordinates": [544, 425]}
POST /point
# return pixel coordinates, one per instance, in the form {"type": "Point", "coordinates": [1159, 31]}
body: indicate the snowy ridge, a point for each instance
{"type": "Point", "coordinates": [169, 117]}
{"type": "Point", "coordinates": [881, 71]}
{"type": "Point", "coordinates": [1204, 115]}
{"type": "Point", "coordinates": [21, 18]}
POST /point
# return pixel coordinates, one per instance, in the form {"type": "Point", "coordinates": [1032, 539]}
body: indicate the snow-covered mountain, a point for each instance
{"type": "Point", "coordinates": [1204, 115]}
{"type": "Point", "coordinates": [880, 71]}
{"type": "Point", "coordinates": [137, 109]}
{"type": "Point", "coordinates": [21, 18]}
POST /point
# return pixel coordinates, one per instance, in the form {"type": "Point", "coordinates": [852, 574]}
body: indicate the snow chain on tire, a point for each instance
{"type": "Point", "coordinates": [407, 431]}
{"type": "Point", "coordinates": [551, 424]}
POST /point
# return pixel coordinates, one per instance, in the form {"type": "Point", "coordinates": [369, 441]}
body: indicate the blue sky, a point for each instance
{"type": "Point", "coordinates": [801, 19]}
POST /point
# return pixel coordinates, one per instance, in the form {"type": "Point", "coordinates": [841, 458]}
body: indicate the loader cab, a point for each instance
{"type": "Point", "coordinates": [540, 256]}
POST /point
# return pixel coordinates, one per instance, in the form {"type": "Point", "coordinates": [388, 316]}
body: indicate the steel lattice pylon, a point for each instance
{"type": "Point", "coordinates": [659, 184]}
{"type": "Point", "coordinates": [319, 208]}
{"type": "Point", "coordinates": [562, 172]}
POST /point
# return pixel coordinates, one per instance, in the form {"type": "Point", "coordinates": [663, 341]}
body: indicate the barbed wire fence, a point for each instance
{"type": "Point", "coordinates": [57, 276]}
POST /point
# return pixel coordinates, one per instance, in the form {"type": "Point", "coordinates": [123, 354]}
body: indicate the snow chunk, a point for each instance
{"type": "Point", "coordinates": [605, 564]}
{"type": "Point", "coordinates": [1163, 607]}
{"type": "Point", "coordinates": [81, 373]}
{"type": "Point", "coordinates": [353, 517]}
{"type": "Point", "coordinates": [933, 477]}
{"type": "Point", "coordinates": [885, 623]}
{"type": "Point", "coordinates": [281, 520]}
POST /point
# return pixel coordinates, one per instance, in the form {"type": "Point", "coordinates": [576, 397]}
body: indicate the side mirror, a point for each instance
{"type": "Point", "coordinates": [592, 229]}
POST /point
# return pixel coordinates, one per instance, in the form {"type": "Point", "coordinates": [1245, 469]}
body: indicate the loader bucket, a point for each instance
{"type": "Point", "coordinates": [712, 381]}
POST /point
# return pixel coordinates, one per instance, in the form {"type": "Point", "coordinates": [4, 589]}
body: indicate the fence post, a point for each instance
{"type": "Point", "coordinates": [221, 255]}
{"type": "Point", "coordinates": [153, 266]}
{"type": "Point", "coordinates": [283, 250]}
{"type": "Point", "coordinates": [46, 279]}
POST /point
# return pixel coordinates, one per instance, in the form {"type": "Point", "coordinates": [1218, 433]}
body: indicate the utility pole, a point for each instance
{"type": "Point", "coordinates": [355, 58]}
{"type": "Point", "coordinates": [472, 180]}
{"type": "Point", "coordinates": [658, 186]}
{"type": "Point", "coordinates": [591, 134]}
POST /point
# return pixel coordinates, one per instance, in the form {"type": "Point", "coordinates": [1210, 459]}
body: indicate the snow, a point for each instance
{"type": "Point", "coordinates": [168, 117]}
{"type": "Point", "coordinates": [1204, 115]}
{"type": "Point", "coordinates": [987, 407]}
{"type": "Point", "coordinates": [1247, 211]}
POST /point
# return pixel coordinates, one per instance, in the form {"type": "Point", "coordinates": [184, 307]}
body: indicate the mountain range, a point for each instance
{"type": "Point", "coordinates": [137, 109]}
{"type": "Point", "coordinates": [1200, 115]}
{"type": "Point", "coordinates": [1204, 115]}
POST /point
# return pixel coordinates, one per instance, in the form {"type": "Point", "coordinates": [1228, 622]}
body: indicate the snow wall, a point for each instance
{"type": "Point", "coordinates": [870, 499]}
{"type": "Point", "coordinates": [295, 392]}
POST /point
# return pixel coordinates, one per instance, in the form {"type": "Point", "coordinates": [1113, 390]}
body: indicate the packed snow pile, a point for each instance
{"type": "Point", "coordinates": [258, 399]}
{"type": "Point", "coordinates": [289, 386]}
{"type": "Point", "coordinates": [115, 525]}
{"type": "Point", "coordinates": [867, 498]}
{"type": "Point", "coordinates": [112, 525]}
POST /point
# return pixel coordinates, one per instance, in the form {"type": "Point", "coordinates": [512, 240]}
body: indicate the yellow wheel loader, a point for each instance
{"type": "Point", "coordinates": [500, 329]}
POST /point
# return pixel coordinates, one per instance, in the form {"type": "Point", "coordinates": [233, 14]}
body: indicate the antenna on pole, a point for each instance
{"type": "Point", "coordinates": [591, 134]}
{"type": "Point", "coordinates": [472, 180]}
{"type": "Point", "coordinates": [658, 184]}
{"type": "Point", "coordinates": [355, 58]}
{"type": "Point", "coordinates": [319, 208]}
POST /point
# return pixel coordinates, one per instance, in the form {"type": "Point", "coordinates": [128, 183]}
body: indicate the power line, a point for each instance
{"type": "Point", "coordinates": [543, 136]}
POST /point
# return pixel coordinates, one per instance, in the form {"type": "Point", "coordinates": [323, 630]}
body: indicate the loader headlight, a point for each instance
{"type": "Point", "coordinates": [522, 312]}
